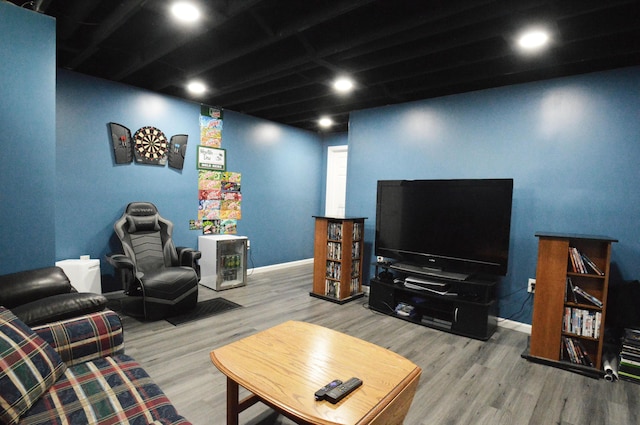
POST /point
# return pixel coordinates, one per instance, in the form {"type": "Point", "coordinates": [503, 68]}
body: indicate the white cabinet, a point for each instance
{"type": "Point", "coordinates": [223, 264]}
{"type": "Point", "coordinates": [83, 274]}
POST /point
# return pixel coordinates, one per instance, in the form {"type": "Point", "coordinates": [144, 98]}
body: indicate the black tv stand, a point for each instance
{"type": "Point", "coordinates": [464, 307]}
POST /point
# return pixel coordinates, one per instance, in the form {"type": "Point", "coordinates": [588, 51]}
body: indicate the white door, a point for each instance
{"type": "Point", "coordinates": [336, 181]}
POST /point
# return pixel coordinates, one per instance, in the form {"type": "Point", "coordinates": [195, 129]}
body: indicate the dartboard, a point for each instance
{"type": "Point", "coordinates": [150, 146]}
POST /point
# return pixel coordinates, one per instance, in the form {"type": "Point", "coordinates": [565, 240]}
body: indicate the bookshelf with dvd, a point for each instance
{"type": "Point", "coordinates": [569, 309]}
{"type": "Point", "coordinates": [337, 269]}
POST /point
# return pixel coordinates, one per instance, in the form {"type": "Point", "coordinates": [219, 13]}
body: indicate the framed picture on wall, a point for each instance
{"type": "Point", "coordinates": [212, 158]}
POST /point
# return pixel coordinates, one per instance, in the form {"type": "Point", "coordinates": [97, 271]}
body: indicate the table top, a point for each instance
{"type": "Point", "coordinates": [285, 365]}
{"type": "Point", "coordinates": [574, 236]}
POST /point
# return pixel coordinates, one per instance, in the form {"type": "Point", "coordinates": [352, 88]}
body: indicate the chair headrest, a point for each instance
{"type": "Point", "coordinates": [142, 216]}
{"type": "Point", "coordinates": [141, 209]}
{"type": "Point", "coordinates": [142, 224]}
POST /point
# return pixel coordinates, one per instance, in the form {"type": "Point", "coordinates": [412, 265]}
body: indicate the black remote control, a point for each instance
{"type": "Point", "coordinates": [319, 395]}
{"type": "Point", "coordinates": [341, 391]}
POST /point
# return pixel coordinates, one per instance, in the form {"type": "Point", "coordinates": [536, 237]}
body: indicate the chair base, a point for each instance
{"type": "Point", "coordinates": [160, 310]}
{"type": "Point", "coordinates": [169, 291]}
{"type": "Point", "coordinates": [135, 306]}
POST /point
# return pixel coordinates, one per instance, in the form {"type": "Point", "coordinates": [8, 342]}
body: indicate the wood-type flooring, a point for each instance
{"type": "Point", "coordinates": [464, 381]}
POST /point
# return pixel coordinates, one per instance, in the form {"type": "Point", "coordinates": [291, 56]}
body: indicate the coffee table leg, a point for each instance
{"type": "Point", "coordinates": [232, 402]}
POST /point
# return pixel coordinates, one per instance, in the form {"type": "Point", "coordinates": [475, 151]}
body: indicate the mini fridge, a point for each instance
{"type": "Point", "coordinates": [223, 264]}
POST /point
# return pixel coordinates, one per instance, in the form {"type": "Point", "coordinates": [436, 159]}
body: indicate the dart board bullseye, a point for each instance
{"type": "Point", "coordinates": [150, 146]}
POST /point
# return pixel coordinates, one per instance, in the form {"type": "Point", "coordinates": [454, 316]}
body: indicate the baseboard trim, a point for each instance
{"type": "Point", "coordinates": [280, 266]}
{"type": "Point", "coordinates": [516, 326]}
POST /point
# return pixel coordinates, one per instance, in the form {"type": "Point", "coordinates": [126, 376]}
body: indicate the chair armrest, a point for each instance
{"type": "Point", "coordinates": [120, 261]}
{"type": "Point", "coordinates": [85, 338]}
{"type": "Point", "coordinates": [127, 270]}
{"type": "Point", "coordinates": [188, 256]}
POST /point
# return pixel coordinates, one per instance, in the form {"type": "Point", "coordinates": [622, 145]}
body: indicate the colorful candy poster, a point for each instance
{"type": "Point", "coordinates": [210, 126]}
{"type": "Point", "coordinates": [219, 196]}
{"type": "Point", "coordinates": [219, 201]}
{"type": "Point", "coordinates": [230, 207]}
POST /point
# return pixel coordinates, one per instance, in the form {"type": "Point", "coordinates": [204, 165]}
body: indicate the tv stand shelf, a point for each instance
{"type": "Point", "coordinates": [469, 308]}
{"type": "Point", "coordinates": [425, 271]}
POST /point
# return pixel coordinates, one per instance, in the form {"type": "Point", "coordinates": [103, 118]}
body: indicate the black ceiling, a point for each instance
{"type": "Point", "coordinates": [276, 59]}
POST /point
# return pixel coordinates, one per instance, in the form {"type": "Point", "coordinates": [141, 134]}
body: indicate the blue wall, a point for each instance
{"type": "Point", "coordinates": [281, 178]}
{"type": "Point", "coordinates": [280, 166]}
{"type": "Point", "coordinates": [27, 138]}
{"type": "Point", "coordinates": [571, 145]}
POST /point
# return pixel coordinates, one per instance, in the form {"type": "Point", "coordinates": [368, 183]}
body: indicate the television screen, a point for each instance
{"type": "Point", "coordinates": [448, 225]}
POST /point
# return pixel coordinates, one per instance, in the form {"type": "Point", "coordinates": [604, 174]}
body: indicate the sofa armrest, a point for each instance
{"type": "Point", "coordinates": [85, 338]}
{"type": "Point", "coordinates": [59, 307]}
{"type": "Point", "coordinates": [26, 286]}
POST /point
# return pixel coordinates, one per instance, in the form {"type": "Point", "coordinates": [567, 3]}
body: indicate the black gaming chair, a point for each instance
{"type": "Point", "coordinates": [162, 277]}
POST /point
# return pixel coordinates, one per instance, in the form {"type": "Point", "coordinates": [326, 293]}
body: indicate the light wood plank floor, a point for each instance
{"type": "Point", "coordinates": [464, 381]}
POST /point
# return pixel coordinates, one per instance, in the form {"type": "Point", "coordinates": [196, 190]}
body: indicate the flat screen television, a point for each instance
{"type": "Point", "coordinates": [455, 226]}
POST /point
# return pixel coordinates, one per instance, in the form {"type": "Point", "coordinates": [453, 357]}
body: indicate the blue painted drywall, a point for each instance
{"type": "Point", "coordinates": [27, 139]}
{"type": "Point", "coordinates": [280, 169]}
{"type": "Point", "coordinates": [570, 144]}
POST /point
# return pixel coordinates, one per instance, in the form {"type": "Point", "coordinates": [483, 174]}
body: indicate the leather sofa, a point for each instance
{"type": "Point", "coordinates": [45, 295]}
{"type": "Point", "coordinates": [75, 372]}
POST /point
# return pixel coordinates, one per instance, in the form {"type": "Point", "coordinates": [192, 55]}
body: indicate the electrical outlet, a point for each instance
{"type": "Point", "coordinates": [531, 287]}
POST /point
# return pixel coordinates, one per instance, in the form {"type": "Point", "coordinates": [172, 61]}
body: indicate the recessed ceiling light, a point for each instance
{"type": "Point", "coordinates": [343, 84]}
{"type": "Point", "coordinates": [534, 39]}
{"type": "Point", "coordinates": [196, 87]}
{"type": "Point", "coordinates": [185, 11]}
{"type": "Point", "coordinates": [325, 122]}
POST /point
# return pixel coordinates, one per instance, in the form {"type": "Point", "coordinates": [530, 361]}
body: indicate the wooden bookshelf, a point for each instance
{"type": "Point", "coordinates": [553, 301]}
{"type": "Point", "coordinates": [337, 259]}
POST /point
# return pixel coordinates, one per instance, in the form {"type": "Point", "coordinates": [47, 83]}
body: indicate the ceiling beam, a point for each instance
{"type": "Point", "coordinates": [322, 15]}
{"type": "Point", "coordinates": [365, 43]}
{"type": "Point", "coordinates": [160, 50]}
{"type": "Point", "coordinates": [114, 21]}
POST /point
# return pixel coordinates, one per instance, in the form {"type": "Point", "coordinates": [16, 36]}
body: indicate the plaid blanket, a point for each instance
{"type": "Point", "coordinates": [101, 384]}
{"type": "Point", "coordinates": [84, 338]}
{"type": "Point", "coordinates": [110, 390]}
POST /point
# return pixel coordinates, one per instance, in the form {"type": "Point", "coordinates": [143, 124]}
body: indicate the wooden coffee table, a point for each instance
{"type": "Point", "coordinates": [284, 366]}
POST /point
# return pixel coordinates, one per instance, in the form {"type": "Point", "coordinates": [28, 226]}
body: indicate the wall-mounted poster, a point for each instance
{"type": "Point", "coordinates": [211, 158]}
{"type": "Point", "coordinates": [219, 197]}
{"type": "Point", "coordinates": [220, 227]}
{"type": "Point", "coordinates": [210, 126]}
{"type": "Point", "coordinates": [231, 198]}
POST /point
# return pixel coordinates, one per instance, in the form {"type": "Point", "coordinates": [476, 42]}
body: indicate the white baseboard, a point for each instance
{"type": "Point", "coordinates": [516, 326]}
{"type": "Point", "coordinates": [280, 266]}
